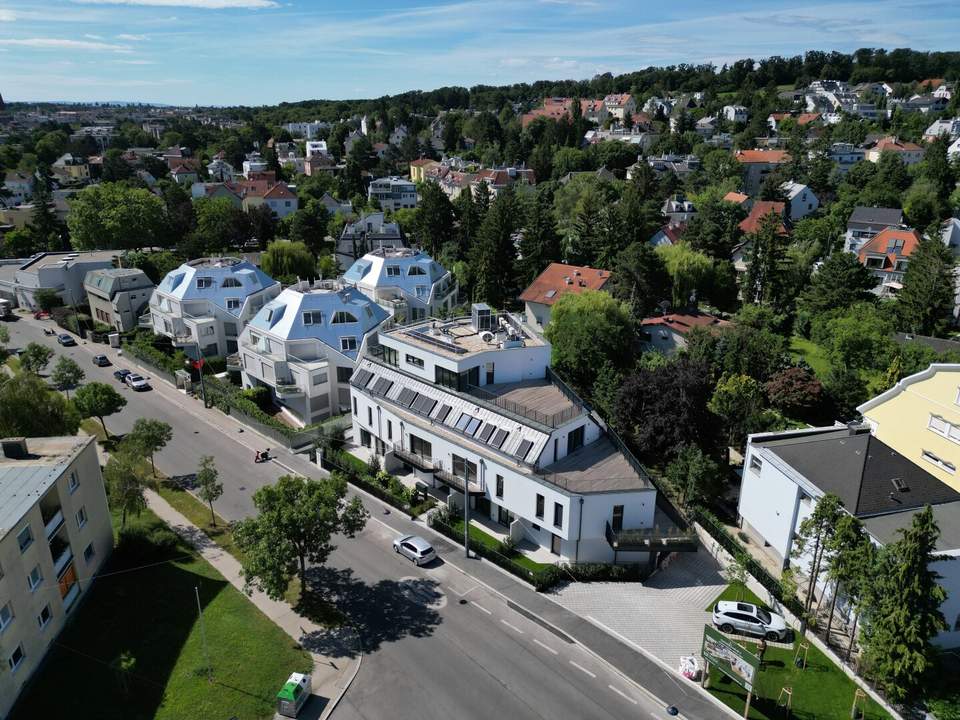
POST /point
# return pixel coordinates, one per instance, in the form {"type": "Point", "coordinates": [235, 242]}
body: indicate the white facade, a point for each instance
{"type": "Point", "coordinates": [316, 147]}
{"type": "Point", "coordinates": [254, 163]}
{"type": "Point", "coordinates": [61, 272]}
{"type": "Point", "coordinates": [801, 199]}
{"type": "Point", "coordinates": [735, 113]}
{"type": "Point", "coordinates": [220, 170]}
{"type": "Point", "coordinates": [308, 130]}
{"type": "Point", "coordinates": [393, 193]}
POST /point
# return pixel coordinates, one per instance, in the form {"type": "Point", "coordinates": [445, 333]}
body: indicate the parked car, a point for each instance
{"type": "Point", "coordinates": [750, 619]}
{"type": "Point", "coordinates": [66, 340]}
{"type": "Point", "coordinates": [414, 548]}
{"type": "Point", "coordinates": [101, 361]}
{"type": "Point", "coordinates": [137, 382]}
{"type": "Point", "coordinates": [121, 374]}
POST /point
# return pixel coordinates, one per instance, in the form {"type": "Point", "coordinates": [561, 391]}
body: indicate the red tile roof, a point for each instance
{"type": "Point", "coordinates": [894, 144]}
{"type": "Point", "coordinates": [736, 198]}
{"type": "Point", "coordinates": [892, 244]}
{"type": "Point", "coordinates": [617, 99]}
{"type": "Point", "coordinates": [673, 231]}
{"type": "Point", "coordinates": [684, 322]}
{"type": "Point", "coordinates": [279, 191]}
{"type": "Point", "coordinates": [420, 162]}
{"type": "Point", "coordinates": [931, 83]}
{"type": "Point", "coordinates": [800, 118]}
{"type": "Point", "coordinates": [763, 156]}
{"type": "Point", "coordinates": [760, 209]}
{"type": "Point", "coordinates": [552, 283]}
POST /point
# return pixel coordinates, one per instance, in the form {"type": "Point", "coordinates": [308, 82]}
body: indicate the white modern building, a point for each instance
{"type": "Point", "coordinates": [254, 163]}
{"type": "Point", "coordinates": [55, 536]}
{"type": "Point", "coordinates": [801, 200]}
{"type": "Point", "coordinates": [308, 130]}
{"type": "Point", "coordinates": [473, 408]}
{"type": "Point", "coordinates": [786, 473]}
{"type": "Point", "coordinates": [393, 193]}
{"type": "Point", "coordinates": [735, 113]}
{"type": "Point", "coordinates": [219, 170]}
{"type": "Point", "coordinates": [865, 223]}
{"type": "Point", "coordinates": [406, 282]}
{"type": "Point", "coordinates": [303, 345]}
{"type": "Point", "coordinates": [316, 147]}
{"type": "Point", "coordinates": [204, 304]}
{"type": "Point", "coordinates": [118, 296]}
{"type": "Point", "coordinates": [62, 272]}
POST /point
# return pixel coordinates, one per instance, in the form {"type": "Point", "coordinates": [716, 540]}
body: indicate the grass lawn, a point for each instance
{"type": "Point", "coordinates": [736, 591]}
{"type": "Point", "coordinates": [821, 690]}
{"type": "Point", "coordinates": [815, 356]}
{"type": "Point", "coordinates": [491, 543]}
{"type": "Point", "coordinates": [147, 610]}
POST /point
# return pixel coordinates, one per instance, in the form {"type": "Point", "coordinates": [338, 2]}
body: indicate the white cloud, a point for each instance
{"type": "Point", "coordinates": [131, 38]}
{"type": "Point", "coordinates": [7, 16]}
{"type": "Point", "coordinates": [136, 62]}
{"type": "Point", "coordinates": [93, 37]}
{"type": "Point", "coordinates": [202, 4]}
{"type": "Point", "coordinates": [64, 44]}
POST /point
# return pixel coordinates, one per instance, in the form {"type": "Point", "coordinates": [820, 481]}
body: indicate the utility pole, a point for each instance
{"type": "Point", "coordinates": [203, 636]}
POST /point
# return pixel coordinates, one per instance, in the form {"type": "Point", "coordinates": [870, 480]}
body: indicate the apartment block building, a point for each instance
{"type": "Point", "coordinates": [55, 534]}
{"type": "Point", "coordinates": [203, 304]}
{"type": "Point", "coordinates": [471, 406]}
{"type": "Point", "coordinates": [118, 296]}
{"type": "Point", "coordinates": [393, 193]}
{"type": "Point", "coordinates": [406, 282]}
{"type": "Point", "coordinates": [303, 345]}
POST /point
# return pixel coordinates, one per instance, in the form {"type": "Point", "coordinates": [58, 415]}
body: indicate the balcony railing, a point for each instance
{"type": "Point", "coordinates": [288, 390]}
{"type": "Point", "coordinates": [62, 554]}
{"type": "Point", "coordinates": [553, 420]}
{"type": "Point", "coordinates": [233, 362]}
{"type": "Point", "coordinates": [52, 522]}
{"type": "Point", "coordinates": [454, 481]}
{"type": "Point", "coordinates": [421, 462]}
{"type": "Point", "coordinates": [668, 538]}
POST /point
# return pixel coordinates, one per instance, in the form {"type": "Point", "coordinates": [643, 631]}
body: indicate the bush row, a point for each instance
{"type": "Point", "coordinates": [377, 482]}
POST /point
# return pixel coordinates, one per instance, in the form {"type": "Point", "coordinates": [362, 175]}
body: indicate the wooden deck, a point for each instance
{"type": "Point", "coordinates": [540, 395]}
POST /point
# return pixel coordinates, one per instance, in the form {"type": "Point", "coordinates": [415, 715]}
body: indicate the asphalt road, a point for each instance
{"type": "Point", "coordinates": [438, 644]}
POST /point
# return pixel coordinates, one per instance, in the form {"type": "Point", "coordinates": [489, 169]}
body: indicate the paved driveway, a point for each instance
{"type": "Point", "coordinates": [665, 616]}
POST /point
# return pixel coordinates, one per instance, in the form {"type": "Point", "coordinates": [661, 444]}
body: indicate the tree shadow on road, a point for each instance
{"type": "Point", "coordinates": [383, 612]}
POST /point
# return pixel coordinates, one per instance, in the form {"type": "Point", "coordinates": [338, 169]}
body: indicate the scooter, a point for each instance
{"type": "Point", "coordinates": [48, 331]}
{"type": "Point", "coordinates": [260, 457]}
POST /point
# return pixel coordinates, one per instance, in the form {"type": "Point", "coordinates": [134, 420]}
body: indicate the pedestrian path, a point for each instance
{"type": "Point", "coordinates": [330, 677]}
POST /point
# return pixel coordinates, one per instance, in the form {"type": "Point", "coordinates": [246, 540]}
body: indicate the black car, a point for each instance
{"type": "Point", "coordinates": [66, 340]}
{"type": "Point", "coordinates": [121, 374]}
{"type": "Point", "coordinates": [101, 360]}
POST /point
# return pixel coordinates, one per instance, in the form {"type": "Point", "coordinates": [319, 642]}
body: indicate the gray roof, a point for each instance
{"type": "Point", "coordinates": [110, 280]}
{"type": "Point", "coordinates": [939, 345]}
{"type": "Point", "coordinates": [947, 516]}
{"type": "Point", "coordinates": [874, 217]}
{"type": "Point", "coordinates": [860, 470]}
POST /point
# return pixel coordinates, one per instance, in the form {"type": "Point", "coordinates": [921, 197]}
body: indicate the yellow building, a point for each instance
{"type": "Point", "coordinates": [920, 418]}
{"type": "Point", "coordinates": [418, 169]}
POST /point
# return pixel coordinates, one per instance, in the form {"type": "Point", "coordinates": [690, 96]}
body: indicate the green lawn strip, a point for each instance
{"type": "Point", "coordinates": [741, 593]}
{"type": "Point", "coordinates": [813, 354]}
{"type": "Point", "coordinates": [147, 609]}
{"type": "Point", "coordinates": [821, 690]}
{"type": "Point", "coordinates": [491, 543]}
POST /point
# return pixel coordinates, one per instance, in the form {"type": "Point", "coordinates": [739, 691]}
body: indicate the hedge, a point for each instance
{"type": "Point", "coordinates": [356, 473]}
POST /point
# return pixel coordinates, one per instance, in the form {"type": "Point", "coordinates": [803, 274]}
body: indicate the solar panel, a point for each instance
{"type": "Point", "coordinates": [382, 386]}
{"type": "Point", "coordinates": [463, 421]}
{"type": "Point", "coordinates": [362, 377]}
{"type": "Point", "coordinates": [424, 405]}
{"type": "Point", "coordinates": [486, 432]}
{"type": "Point", "coordinates": [472, 427]}
{"type": "Point", "coordinates": [498, 438]}
{"type": "Point", "coordinates": [406, 396]}
{"type": "Point", "coordinates": [443, 412]}
{"type": "Point", "coordinates": [524, 448]}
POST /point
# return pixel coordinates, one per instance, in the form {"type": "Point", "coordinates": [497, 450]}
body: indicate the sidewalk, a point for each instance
{"type": "Point", "coordinates": [330, 679]}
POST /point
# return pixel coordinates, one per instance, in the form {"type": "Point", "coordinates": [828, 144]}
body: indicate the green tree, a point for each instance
{"type": "Point", "coordinates": [840, 282]}
{"type": "Point", "coordinates": [588, 331]}
{"type": "Point", "coordinates": [904, 610]}
{"type": "Point", "coordinates": [694, 476]}
{"type": "Point", "coordinates": [47, 299]}
{"type": "Point", "coordinates": [850, 553]}
{"type": "Point", "coordinates": [811, 542]}
{"type": "Point", "coordinates": [35, 357]}
{"type": "Point", "coordinates": [309, 225]}
{"type": "Point", "coordinates": [738, 401]}
{"type": "Point", "coordinates": [764, 281]}
{"type": "Point", "coordinates": [4, 341]}
{"type": "Point", "coordinates": [925, 303]}
{"type": "Point", "coordinates": [114, 168]}
{"type": "Point", "coordinates": [126, 481]}
{"type": "Point", "coordinates": [209, 487]}
{"type": "Point", "coordinates": [66, 374]}
{"type": "Point", "coordinates": [220, 224]}
{"type": "Point", "coordinates": [434, 225]}
{"type": "Point", "coordinates": [715, 229]}
{"type": "Point", "coordinates": [690, 271]}
{"type": "Point", "coordinates": [113, 215]}
{"type": "Point", "coordinates": [98, 400]}
{"type": "Point", "coordinates": [289, 260]}
{"type": "Point", "coordinates": [640, 279]}
{"type": "Point", "coordinates": [150, 436]}
{"type": "Point", "coordinates": [295, 524]}
{"type": "Point", "coordinates": [493, 256]}
{"type": "Point", "coordinates": [540, 243]}
{"type": "Point", "coordinates": [28, 408]}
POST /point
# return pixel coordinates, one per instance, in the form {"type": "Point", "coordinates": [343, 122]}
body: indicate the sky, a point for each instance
{"type": "Point", "coordinates": [255, 52]}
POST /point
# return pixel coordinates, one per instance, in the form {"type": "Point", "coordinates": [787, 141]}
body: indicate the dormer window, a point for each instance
{"type": "Point", "coordinates": [393, 271]}
{"type": "Point", "coordinates": [204, 282]}
{"type": "Point", "coordinates": [233, 303]}
{"type": "Point", "coordinates": [313, 317]}
{"type": "Point", "coordinates": [341, 317]}
{"type": "Point", "coordinates": [348, 344]}
{"type": "Point", "coordinates": [230, 282]}
{"type": "Point", "coordinates": [416, 270]}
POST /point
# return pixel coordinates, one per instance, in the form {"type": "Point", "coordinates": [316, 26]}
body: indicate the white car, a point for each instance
{"type": "Point", "coordinates": [137, 382]}
{"type": "Point", "coordinates": [414, 548]}
{"type": "Point", "coordinates": [750, 619]}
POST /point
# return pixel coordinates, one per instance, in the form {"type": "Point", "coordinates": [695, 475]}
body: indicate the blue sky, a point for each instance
{"type": "Point", "coordinates": [266, 51]}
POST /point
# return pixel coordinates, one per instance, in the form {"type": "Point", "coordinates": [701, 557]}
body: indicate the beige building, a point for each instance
{"type": "Point", "coordinates": [55, 534]}
{"type": "Point", "coordinates": [920, 418]}
{"type": "Point", "coordinates": [118, 296]}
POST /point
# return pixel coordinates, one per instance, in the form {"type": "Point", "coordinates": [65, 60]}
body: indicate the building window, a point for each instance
{"type": "Point", "coordinates": [74, 482]}
{"type": "Point", "coordinates": [464, 468]}
{"type": "Point", "coordinates": [944, 427]}
{"type": "Point", "coordinates": [6, 616]}
{"type": "Point", "coordinates": [370, 416]}
{"type": "Point", "coordinates": [500, 486]}
{"type": "Point", "coordinates": [341, 317]}
{"type": "Point", "coordinates": [233, 303]}
{"type": "Point", "coordinates": [756, 464]}
{"type": "Point", "coordinates": [416, 270]}
{"type": "Point", "coordinates": [557, 515]}
{"type": "Point", "coordinates": [320, 379]}
{"type": "Point", "coordinates": [16, 657]}
{"type": "Point", "coordinates": [204, 282]}
{"type": "Point", "coordinates": [390, 356]}
{"type": "Point", "coordinates": [88, 553]}
{"type": "Point", "coordinates": [348, 344]}
{"type": "Point", "coordinates": [355, 407]}
{"type": "Point", "coordinates": [344, 374]}
{"type": "Point", "coordinates": [447, 378]}
{"type": "Point", "coordinates": [575, 439]}
{"type": "Point", "coordinates": [539, 512]}
{"type": "Point", "coordinates": [230, 282]}
{"type": "Point", "coordinates": [414, 360]}
{"type": "Point", "coordinates": [45, 616]}
{"type": "Point", "coordinates": [34, 578]}
{"type": "Point", "coordinates": [939, 462]}
{"type": "Point", "coordinates": [389, 430]}
{"type": "Point", "coordinates": [419, 446]}
{"type": "Point", "coordinates": [81, 517]}
{"type": "Point", "coordinates": [616, 523]}
{"type": "Point", "coordinates": [313, 317]}
{"type": "Point", "coordinates": [25, 538]}
{"type": "Point", "coordinates": [393, 271]}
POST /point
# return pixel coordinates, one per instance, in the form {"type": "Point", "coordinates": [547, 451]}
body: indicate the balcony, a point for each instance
{"type": "Point", "coordinates": [145, 320]}
{"type": "Point", "coordinates": [421, 462]}
{"type": "Point", "coordinates": [233, 362]}
{"type": "Point", "coordinates": [52, 522]}
{"type": "Point", "coordinates": [455, 482]}
{"type": "Point", "coordinates": [288, 390]}
{"type": "Point", "coordinates": [668, 538]}
{"type": "Point", "coordinates": [62, 554]}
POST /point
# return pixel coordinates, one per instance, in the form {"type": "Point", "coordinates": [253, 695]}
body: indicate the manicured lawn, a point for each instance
{"type": "Point", "coordinates": [147, 610]}
{"type": "Point", "coordinates": [736, 591]}
{"type": "Point", "coordinates": [815, 356]}
{"type": "Point", "coordinates": [821, 690]}
{"type": "Point", "coordinates": [491, 543]}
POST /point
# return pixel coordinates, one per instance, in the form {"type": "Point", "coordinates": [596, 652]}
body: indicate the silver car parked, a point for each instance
{"type": "Point", "coordinates": [414, 548]}
{"type": "Point", "coordinates": [747, 618]}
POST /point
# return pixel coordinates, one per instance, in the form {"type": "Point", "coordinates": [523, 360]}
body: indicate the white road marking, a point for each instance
{"type": "Point", "coordinates": [469, 590]}
{"type": "Point", "coordinates": [582, 669]}
{"type": "Point", "coordinates": [512, 627]}
{"type": "Point", "coordinates": [481, 607]}
{"type": "Point", "coordinates": [623, 694]}
{"type": "Point", "coordinates": [545, 647]}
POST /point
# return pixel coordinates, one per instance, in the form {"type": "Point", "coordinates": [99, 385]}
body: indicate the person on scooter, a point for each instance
{"type": "Point", "coordinates": [262, 456]}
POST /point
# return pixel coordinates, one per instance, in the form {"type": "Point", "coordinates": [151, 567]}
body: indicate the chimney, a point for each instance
{"type": "Point", "coordinates": [14, 448]}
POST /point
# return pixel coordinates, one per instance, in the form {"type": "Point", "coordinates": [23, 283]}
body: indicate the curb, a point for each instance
{"type": "Point", "coordinates": [334, 701]}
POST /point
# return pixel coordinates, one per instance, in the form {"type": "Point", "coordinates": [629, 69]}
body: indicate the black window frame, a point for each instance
{"type": "Point", "coordinates": [539, 510]}
{"type": "Point", "coordinates": [499, 487]}
{"type": "Point", "coordinates": [558, 515]}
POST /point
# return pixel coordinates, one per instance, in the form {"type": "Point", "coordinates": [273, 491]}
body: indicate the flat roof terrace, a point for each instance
{"type": "Point", "coordinates": [597, 467]}
{"type": "Point", "coordinates": [458, 338]}
{"type": "Point", "coordinates": [538, 400]}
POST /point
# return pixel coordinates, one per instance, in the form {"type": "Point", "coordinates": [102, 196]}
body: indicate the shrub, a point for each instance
{"type": "Point", "coordinates": [259, 395]}
{"type": "Point", "coordinates": [146, 541]}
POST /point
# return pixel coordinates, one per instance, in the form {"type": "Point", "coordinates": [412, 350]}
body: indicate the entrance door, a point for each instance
{"type": "Point", "coordinates": [555, 544]}
{"type": "Point", "coordinates": [503, 516]}
{"type": "Point", "coordinates": [482, 506]}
